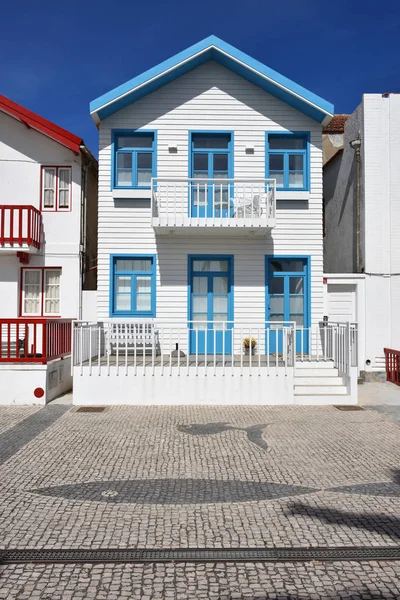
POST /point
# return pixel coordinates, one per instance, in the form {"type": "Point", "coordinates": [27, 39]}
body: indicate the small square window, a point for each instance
{"type": "Point", "coordinates": [134, 286]}
{"type": "Point", "coordinates": [134, 160]}
{"type": "Point", "coordinates": [287, 160]}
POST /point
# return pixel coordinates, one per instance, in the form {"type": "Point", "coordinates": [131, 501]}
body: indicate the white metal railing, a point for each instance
{"type": "Point", "coordinates": [141, 347]}
{"type": "Point", "coordinates": [207, 202]}
{"type": "Point", "coordinates": [329, 341]}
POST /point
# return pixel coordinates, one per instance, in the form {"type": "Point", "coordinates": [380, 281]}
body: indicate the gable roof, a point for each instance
{"type": "Point", "coordinates": [212, 48]}
{"type": "Point", "coordinates": [34, 121]}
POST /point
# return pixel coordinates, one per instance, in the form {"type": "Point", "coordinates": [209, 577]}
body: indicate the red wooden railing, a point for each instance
{"type": "Point", "coordinates": [20, 225]}
{"type": "Point", "coordinates": [392, 359]}
{"type": "Point", "coordinates": [34, 340]}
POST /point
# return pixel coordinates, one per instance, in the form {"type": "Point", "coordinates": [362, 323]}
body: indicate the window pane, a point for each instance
{"type": "Point", "coordinates": [278, 177]}
{"type": "Point", "coordinates": [143, 264]}
{"type": "Point", "coordinates": [276, 304]}
{"type": "Point", "coordinates": [220, 285]}
{"type": "Point", "coordinates": [220, 162]}
{"type": "Point", "coordinates": [135, 141]}
{"type": "Point", "coordinates": [296, 304]}
{"type": "Point", "coordinates": [32, 290]}
{"type": "Point", "coordinates": [123, 302]}
{"type": "Point", "coordinates": [210, 265]}
{"type": "Point", "coordinates": [211, 141]}
{"type": "Point", "coordinates": [123, 284]}
{"type": "Point", "coordinates": [63, 198]}
{"type": "Point", "coordinates": [276, 317]}
{"type": "Point", "coordinates": [296, 162]}
{"type": "Point", "coordinates": [196, 324]}
{"type": "Point", "coordinates": [32, 277]}
{"type": "Point", "coordinates": [299, 319]}
{"type": "Point", "coordinates": [200, 304]}
{"type": "Point", "coordinates": [49, 178]}
{"type": "Point", "coordinates": [143, 284]}
{"type": "Point", "coordinates": [276, 285]}
{"type": "Point", "coordinates": [52, 292]}
{"type": "Point", "coordinates": [200, 162]}
{"type": "Point", "coordinates": [143, 302]}
{"type": "Point", "coordinates": [200, 285]}
{"type": "Point", "coordinates": [124, 160]}
{"type": "Point", "coordinates": [220, 304]}
{"type": "Point", "coordinates": [296, 180]}
{"type": "Point", "coordinates": [144, 178]}
{"type": "Point", "coordinates": [287, 265]}
{"type": "Point", "coordinates": [144, 160]}
{"type": "Point", "coordinates": [220, 321]}
{"type": "Point", "coordinates": [124, 178]}
{"type": "Point", "coordinates": [296, 285]}
{"type": "Point", "coordinates": [276, 162]}
{"type": "Point", "coordinates": [286, 142]}
{"type": "Point", "coordinates": [49, 185]}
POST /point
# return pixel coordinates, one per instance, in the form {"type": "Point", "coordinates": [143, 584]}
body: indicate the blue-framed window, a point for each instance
{"type": "Point", "coordinates": [133, 286]}
{"type": "Point", "coordinates": [287, 160]}
{"type": "Point", "coordinates": [134, 159]}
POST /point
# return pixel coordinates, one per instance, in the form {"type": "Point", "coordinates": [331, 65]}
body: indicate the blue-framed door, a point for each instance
{"type": "Point", "coordinates": [288, 299]}
{"type": "Point", "coordinates": [211, 158]}
{"type": "Point", "coordinates": [210, 304]}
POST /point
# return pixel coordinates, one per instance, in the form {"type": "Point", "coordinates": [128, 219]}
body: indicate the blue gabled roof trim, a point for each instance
{"type": "Point", "coordinates": [212, 48]}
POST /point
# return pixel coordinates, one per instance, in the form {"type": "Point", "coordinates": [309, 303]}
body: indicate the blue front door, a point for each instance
{"type": "Point", "coordinates": [211, 318]}
{"type": "Point", "coordinates": [287, 301]}
{"type": "Point", "coordinates": [211, 161]}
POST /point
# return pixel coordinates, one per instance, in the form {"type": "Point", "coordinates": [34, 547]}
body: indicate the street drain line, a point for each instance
{"type": "Point", "coordinates": [202, 555]}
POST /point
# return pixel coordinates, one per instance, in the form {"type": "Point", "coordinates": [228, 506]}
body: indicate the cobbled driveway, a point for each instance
{"type": "Point", "coordinates": [167, 477]}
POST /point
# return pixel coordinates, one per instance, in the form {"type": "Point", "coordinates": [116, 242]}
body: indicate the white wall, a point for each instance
{"type": "Point", "coordinates": [377, 120]}
{"type": "Point", "coordinates": [22, 153]}
{"type": "Point", "coordinates": [210, 97]}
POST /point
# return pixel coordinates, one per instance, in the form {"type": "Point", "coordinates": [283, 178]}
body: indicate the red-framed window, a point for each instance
{"type": "Point", "coordinates": [40, 292]}
{"type": "Point", "coordinates": [56, 192]}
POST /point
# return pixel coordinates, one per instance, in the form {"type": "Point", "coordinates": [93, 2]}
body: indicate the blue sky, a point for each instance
{"type": "Point", "coordinates": [57, 57]}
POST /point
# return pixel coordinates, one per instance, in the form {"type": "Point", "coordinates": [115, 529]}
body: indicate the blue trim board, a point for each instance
{"type": "Point", "coordinates": [212, 48]}
{"type": "Point", "coordinates": [306, 136]}
{"type": "Point", "coordinates": [133, 314]}
{"type": "Point", "coordinates": [115, 133]}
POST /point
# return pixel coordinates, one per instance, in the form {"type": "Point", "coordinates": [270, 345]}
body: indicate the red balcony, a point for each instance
{"type": "Point", "coordinates": [34, 340]}
{"type": "Point", "coordinates": [20, 228]}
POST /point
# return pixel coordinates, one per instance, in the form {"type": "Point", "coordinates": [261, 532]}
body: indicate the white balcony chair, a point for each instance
{"type": "Point", "coordinates": [250, 207]}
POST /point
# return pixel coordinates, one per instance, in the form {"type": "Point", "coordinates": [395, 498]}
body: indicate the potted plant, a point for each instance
{"type": "Point", "coordinates": [249, 343]}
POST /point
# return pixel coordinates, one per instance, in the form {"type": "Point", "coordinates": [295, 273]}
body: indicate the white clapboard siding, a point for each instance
{"type": "Point", "coordinates": [210, 97]}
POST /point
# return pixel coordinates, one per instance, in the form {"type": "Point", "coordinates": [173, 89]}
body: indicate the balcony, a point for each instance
{"type": "Point", "coordinates": [20, 229]}
{"type": "Point", "coordinates": [34, 340]}
{"type": "Point", "coordinates": [212, 206]}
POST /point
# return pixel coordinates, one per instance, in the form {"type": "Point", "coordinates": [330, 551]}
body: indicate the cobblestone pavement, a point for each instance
{"type": "Point", "coordinates": [11, 415]}
{"type": "Point", "coordinates": [162, 477]}
{"type": "Point", "coordinates": [255, 581]}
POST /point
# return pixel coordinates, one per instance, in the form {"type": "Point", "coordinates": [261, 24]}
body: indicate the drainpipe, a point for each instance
{"type": "Point", "coordinates": [356, 146]}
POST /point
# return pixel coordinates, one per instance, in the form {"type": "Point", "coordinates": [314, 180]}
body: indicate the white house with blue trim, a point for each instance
{"type": "Point", "coordinates": [210, 249]}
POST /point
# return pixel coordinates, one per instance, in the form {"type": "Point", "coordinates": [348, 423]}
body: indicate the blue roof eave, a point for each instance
{"type": "Point", "coordinates": [212, 48]}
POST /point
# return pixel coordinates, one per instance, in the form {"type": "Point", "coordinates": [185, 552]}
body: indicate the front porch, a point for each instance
{"type": "Point", "coordinates": [118, 362]}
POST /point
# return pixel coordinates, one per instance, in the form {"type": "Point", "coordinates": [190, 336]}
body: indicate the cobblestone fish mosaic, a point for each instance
{"type": "Point", "coordinates": [254, 432]}
{"type": "Point", "coordinates": [174, 491]}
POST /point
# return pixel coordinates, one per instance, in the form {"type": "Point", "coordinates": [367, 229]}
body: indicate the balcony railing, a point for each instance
{"type": "Point", "coordinates": [213, 203]}
{"type": "Point", "coordinates": [20, 227]}
{"type": "Point", "coordinates": [34, 340]}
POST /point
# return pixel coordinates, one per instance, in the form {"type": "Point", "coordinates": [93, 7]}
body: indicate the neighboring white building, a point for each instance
{"type": "Point", "coordinates": [373, 128]}
{"type": "Point", "coordinates": [210, 232]}
{"type": "Point", "coordinates": [48, 237]}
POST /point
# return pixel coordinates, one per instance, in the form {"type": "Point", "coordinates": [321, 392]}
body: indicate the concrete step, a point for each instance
{"type": "Point", "coordinates": [320, 389]}
{"type": "Point", "coordinates": [316, 372]}
{"type": "Point", "coordinates": [318, 380]}
{"type": "Point", "coordinates": [318, 399]}
{"type": "Point", "coordinates": [305, 364]}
